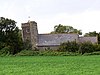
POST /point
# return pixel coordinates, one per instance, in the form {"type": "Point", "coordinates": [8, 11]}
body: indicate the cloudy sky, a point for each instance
{"type": "Point", "coordinates": [81, 14]}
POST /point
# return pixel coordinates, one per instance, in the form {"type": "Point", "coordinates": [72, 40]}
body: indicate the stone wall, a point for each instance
{"type": "Point", "coordinates": [33, 33]}
{"type": "Point", "coordinates": [26, 32]}
{"type": "Point", "coordinates": [30, 33]}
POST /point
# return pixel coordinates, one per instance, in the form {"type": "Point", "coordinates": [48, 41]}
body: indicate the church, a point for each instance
{"type": "Point", "coordinates": [45, 41]}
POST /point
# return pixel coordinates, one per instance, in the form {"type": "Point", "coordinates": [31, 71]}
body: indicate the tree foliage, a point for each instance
{"type": "Point", "coordinates": [9, 35]}
{"type": "Point", "coordinates": [65, 29]}
{"type": "Point", "coordinates": [69, 46]}
{"type": "Point", "coordinates": [86, 47]}
{"type": "Point", "coordinates": [92, 34]}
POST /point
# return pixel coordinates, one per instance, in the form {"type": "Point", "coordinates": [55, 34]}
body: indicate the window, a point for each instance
{"type": "Point", "coordinates": [27, 30]}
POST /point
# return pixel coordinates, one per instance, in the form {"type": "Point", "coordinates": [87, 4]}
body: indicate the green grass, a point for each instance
{"type": "Point", "coordinates": [50, 65]}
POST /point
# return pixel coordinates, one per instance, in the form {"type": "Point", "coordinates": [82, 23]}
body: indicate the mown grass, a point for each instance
{"type": "Point", "coordinates": [50, 65]}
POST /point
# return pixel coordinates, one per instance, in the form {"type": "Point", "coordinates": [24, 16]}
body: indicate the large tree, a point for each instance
{"type": "Point", "coordinates": [65, 29]}
{"type": "Point", "coordinates": [9, 35]}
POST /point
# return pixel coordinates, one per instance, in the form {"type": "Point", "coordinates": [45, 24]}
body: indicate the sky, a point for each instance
{"type": "Point", "coordinates": [80, 14]}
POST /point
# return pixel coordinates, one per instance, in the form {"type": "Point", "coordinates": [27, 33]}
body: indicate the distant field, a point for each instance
{"type": "Point", "coordinates": [50, 65]}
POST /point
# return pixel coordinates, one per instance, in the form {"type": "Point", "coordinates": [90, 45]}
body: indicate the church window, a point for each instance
{"type": "Point", "coordinates": [27, 30]}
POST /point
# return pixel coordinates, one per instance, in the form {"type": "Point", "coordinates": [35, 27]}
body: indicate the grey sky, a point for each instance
{"type": "Point", "coordinates": [81, 14]}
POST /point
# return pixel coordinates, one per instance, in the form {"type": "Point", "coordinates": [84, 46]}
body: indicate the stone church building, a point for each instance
{"type": "Point", "coordinates": [43, 41]}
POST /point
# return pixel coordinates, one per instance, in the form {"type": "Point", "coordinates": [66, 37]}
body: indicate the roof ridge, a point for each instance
{"type": "Point", "coordinates": [56, 33]}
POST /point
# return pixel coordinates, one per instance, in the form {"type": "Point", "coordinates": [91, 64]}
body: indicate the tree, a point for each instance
{"type": "Point", "coordinates": [93, 34]}
{"type": "Point", "coordinates": [9, 35]}
{"type": "Point", "coordinates": [60, 28]}
{"type": "Point", "coordinates": [65, 29]}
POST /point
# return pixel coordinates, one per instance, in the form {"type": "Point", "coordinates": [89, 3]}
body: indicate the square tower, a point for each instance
{"type": "Point", "coordinates": [30, 33]}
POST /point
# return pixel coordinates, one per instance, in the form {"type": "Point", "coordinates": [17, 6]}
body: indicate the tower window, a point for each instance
{"type": "Point", "coordinates": [27, 30]}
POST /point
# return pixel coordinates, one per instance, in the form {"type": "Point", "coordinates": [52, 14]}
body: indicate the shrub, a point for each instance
{"type": "Point", "coordinates": [93, 53]}
{"type": "Point", "coordinates": [97, 47]}
{"type": "Point", "coordinates": [69, 46]}
{"type": "Point", "coordinates": [24, 53]}
{"type": "Point", "coordinates": [55, 53]}
{"type": "Point", "coordinates": [45, 53]}
{"type": "Point", "coordinates": [27, 53]}
{"type": "Point", "coordinates": [5, 51]}
{"type": "Point", "coordinates": [86, 47]}
{"type": "Point", "coordinates": [27, 45]}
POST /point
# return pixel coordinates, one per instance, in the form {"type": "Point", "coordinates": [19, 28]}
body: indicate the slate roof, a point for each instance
{"type": "Point", "coordinates": [55, 39]}
{"type": "Point", "coordinates": [91, 39]}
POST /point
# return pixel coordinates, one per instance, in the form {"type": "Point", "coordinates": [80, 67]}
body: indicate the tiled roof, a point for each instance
{"type": "Point", "coordinates": [55, 39]}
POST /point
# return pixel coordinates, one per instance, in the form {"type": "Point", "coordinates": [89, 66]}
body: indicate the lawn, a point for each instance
{"type": "Point", "coordinates": [50, 65]}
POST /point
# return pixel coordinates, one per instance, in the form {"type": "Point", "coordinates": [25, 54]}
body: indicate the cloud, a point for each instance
{"type": "Point", "coordinates": [86, 21]}
{"type": "Point", "coordinates": [81, 14]}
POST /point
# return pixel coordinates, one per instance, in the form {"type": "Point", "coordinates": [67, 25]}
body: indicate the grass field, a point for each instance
{"type": "Point", "coordinates": [50, 65]}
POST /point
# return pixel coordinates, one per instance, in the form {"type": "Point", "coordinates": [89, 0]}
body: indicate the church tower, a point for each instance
{"type": "Point", "coordinates": [30, 33]}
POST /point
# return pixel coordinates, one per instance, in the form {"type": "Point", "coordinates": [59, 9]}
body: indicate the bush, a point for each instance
{"type": "Point", "coordinates": [65, 49]}
{"type": "Point", "coordinates": [86, 47]}
{"type": "Point", "coordinates": [56, 53]}
{"type": "Point", "coordinates": [93, 53]}
{"type": "Point", "coordinates": [69, 47]}
{"type": "Point", "coordinates": [27, 53]}
{"type": "Point", "coordinates": [5, 51]}
{"type": "Point", "coordinates": [44, 53]}
{"type": "Point", "coordinates": [27, 45]}
{"type": "Point", "coordinates": [97, 47]}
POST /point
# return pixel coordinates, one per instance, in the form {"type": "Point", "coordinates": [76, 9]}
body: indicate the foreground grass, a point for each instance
{"type": "Point", "coordinates": [50, 65]}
